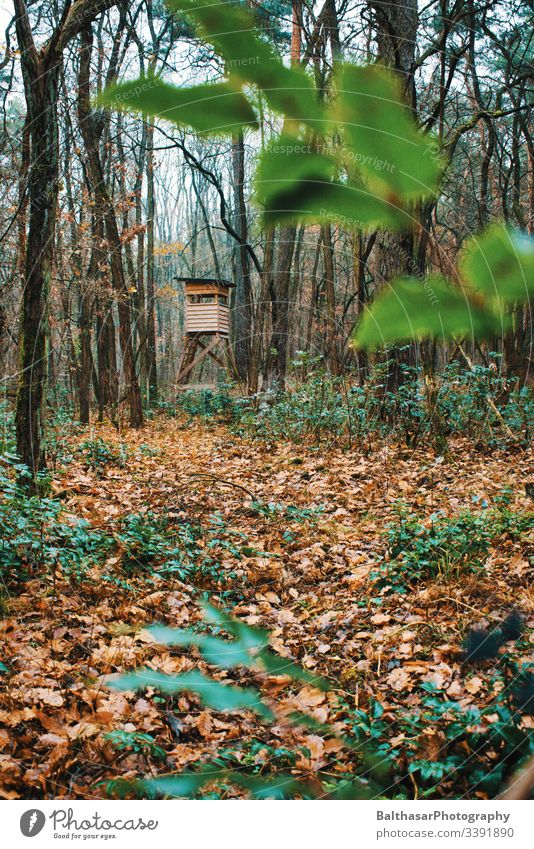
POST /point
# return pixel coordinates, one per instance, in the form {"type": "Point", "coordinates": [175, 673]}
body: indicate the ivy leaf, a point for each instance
{"type": "Point", "coordinates": [216, 108]}
{"type": "Point", "coordinates": [223, 697]}
{"type": "Point", "coordinates": [411, 309]}
{"type": "Point", "coordinates": [382, 139]}
{"type": "Point", "coordinates": [500, 264]}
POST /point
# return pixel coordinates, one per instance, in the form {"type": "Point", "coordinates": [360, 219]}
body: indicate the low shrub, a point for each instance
{"type": "Point", "coordinates": [161, 545]}
{"type": "Point", "coordinates": [445, 546]}
{"type": "Point", "coordinates": [97, 454]}
{"type": "Point", "coordinates": [36, 535]}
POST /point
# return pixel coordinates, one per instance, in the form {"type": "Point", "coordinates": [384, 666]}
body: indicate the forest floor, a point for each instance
{"type": "Point", "coordinates": [294, 538]}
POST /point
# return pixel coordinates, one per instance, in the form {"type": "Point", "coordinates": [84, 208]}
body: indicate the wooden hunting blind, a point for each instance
{"type": "Point", "coordinates": [206, 306]}
{"type": "Point", "coordinates": [207, 314]}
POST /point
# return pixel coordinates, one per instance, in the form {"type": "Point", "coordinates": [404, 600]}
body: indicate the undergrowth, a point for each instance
{"type": "Point", "coordinates": [319, 408]}
{"type": "Point", "coordinates": [441, 546]}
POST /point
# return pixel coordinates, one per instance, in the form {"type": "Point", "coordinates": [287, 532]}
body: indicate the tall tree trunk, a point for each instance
{"type": "Point", "coordinates": [242, 312]}
{"type": "Point", "coordinates": [396, 24]}
{"type": "Point", "coordinates": [41, 87]}
{"type": "Point", "coordinates": [108, 393]}
{"type": "Point", "coordinates": [150, 282]}
{"type": "Point", "coordinates": [41, 72]}
{"type": "Point", "coordinates": [281, 281]}
{"type": "Point", "coordinates": [332, 357]}
{"type": "Point", "coordinates": [104, 206]}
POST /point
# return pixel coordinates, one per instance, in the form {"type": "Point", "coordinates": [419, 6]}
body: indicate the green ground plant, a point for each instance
{"type": "Point", "coordinates": [441, 546]}
{"type": "Point", "coordinates": [247, 648]}
{"type": "Point", "coordinates": [38, 537]}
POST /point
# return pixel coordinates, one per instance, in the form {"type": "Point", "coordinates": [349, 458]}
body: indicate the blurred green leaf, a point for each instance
{"type": "Point", "coordinates": [219, 652]}
{"type": "Point", "coordinates": [230, 29]}
{"type": "Point", "coordinates": [275, 664]}
{"type": "Point", "coordinates": [282, 786]}
{"type": "Point", "coordinates": [218, 696]}
{"type": "Point", "coordinates": [180, 786]}
{"type": "Point", "coordinates": [286, 162]}
{"type": "Point", "coordinates": [382, 139]}
{"type": "Point", "coordinates": [411, 309]}
{"type": "Point", "coordinates": [186, 784]}
{"type": "Point", "coordinates": [248, 649]}
{"type": "Point", "coordinates": [357, 789]}
{"type": "Point", "coordinates": [208, 108]}
{"type": "Point", "coordinates": [319, 200]}
{"type": "Point", "coordinates": [500, 263]}
{"type": "Point", "coordinates": [250, 638]}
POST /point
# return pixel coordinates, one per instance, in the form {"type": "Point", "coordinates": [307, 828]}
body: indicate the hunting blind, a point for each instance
{"type": "Point", "coordinates": [207, 314]}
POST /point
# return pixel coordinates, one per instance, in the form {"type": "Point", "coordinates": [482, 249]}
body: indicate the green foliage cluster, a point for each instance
{"type": "Point", "coordinates": [208, 403]}
{"type": "Point", "coordinates": [235, 644]}
{"type": "Point", "coordinates": [61, 427]}
{"type": "Point", "coordinates": [136, 742]}
{"type": "Point", "coordinates": [467, 736]}
{"type": "Point", "coordinates": [159, 544]}
{"type": "Point", "coordinates": [98, 454]}
{"type": "Point", "coordinates": [325, 409]}
{"type": "Point", "coordinates": [8, 446]}
{"type": "Point", "coordinates": [36, 535]}
{"type": "Point", "coordinates": [463, 404]}
{"type": "Point", "coordinates": [443, 546]}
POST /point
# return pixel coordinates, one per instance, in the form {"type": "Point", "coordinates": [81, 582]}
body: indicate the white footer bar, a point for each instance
{"type": "Point", "coordinates": [255, 825]}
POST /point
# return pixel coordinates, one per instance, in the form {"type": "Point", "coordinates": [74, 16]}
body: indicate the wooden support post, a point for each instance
{"type": "Point", "coordinates": [190, 360]}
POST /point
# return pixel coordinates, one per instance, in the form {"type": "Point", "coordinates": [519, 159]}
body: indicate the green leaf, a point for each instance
{"type": "Point", "coordinates": [230, 29]}
{"type": "Point", "coordinates": [500, 263]}
{"type": "Point", "coordinates": [219, 652]}
{"type": "Point", "coordinates": [411, 309]}
{"type": "Point", "coordinates": [250, 638]}
{"type": "Point", "coordinates": [218, 696]}
{"type": "Point", "coordinates": [216, 108]}
{"type": "Point", "coordinates": [291, 92]}
{"type": "Point", "coordinates": [182, 786]}
{"type": "Point", "coordinates": [318, 200]}
{"type": "Point", "coordinates": [286, 162]}
{"type": "Point", "coordinates": [282, 786]}
{"type": "Point", "coordinates": [3, 668]}
{"type": "Point", "coordinates": [357, 789]}
{"type": "Point", "coordinates": [382, 139]}
{"type": "Point", "coordinates": [187, 784]}
{"type": "Point", "coordinates": [248, 58]}
{"type": "Point", "coordinates": [275, 664]}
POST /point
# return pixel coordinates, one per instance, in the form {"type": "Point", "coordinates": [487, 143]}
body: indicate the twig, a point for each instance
{"type": "Point", "coordinates": [224, 482]}
{"type": "Point", "coordinates": [468, 606]}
